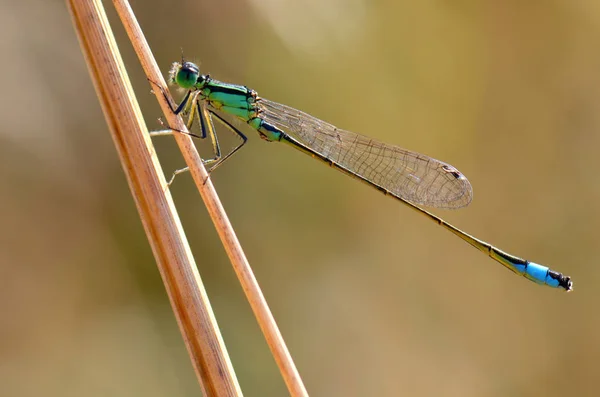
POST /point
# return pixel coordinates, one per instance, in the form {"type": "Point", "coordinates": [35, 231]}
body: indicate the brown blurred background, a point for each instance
{"type": "Point", "coordinates": [372, 299]}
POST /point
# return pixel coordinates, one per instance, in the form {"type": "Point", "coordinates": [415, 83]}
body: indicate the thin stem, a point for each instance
{"type": "Point", "coordinates": [154, 203]}
{"type": "Point", "coordinates": [215, 209]}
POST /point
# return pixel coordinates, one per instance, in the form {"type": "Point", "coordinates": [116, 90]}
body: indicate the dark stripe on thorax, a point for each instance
{"type": "Point", "coordinates": [226, 88]}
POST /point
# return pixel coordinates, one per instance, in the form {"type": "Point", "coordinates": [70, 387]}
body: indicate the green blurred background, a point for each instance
{"type": "Point", "coordinates": [372, 299]}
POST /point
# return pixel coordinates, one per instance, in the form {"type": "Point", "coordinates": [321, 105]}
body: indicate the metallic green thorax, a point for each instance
{"type": "Point", "coordinates": [236, 100]}
{"type": "Point", "coordinates": [239, 101]}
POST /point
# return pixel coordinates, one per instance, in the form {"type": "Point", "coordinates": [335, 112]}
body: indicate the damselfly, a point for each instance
{"type": "Point", "coordinates": [411, 178]}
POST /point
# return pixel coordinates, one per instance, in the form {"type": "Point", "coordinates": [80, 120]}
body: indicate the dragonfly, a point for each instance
{"type": "Point", "coordinates": [413, 179]}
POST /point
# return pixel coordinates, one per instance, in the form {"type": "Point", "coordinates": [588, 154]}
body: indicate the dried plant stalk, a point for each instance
{"type": "Point", "coordinates": [155, 206]}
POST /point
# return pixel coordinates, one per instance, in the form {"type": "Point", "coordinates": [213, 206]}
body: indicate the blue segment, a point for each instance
{"type": "Point", "coordinates": [540, 273]}
{"type": "Point", "coordinates": [532, 271]}
{"type": "Point", "coordinates": [552, 282]}
{"type": "Point", "coordinates": [537, 273]}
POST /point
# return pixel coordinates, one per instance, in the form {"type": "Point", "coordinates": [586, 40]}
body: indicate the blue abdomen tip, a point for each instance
{"type": "Point", "coordinates": [544, 275]}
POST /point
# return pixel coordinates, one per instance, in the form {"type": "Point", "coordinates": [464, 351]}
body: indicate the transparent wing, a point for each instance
{"type": "Point", "coordinates": [415, 177]}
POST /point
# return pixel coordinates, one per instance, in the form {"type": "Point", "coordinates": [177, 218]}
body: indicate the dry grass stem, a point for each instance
{"type": "Point", "coordinates": [155, 206]}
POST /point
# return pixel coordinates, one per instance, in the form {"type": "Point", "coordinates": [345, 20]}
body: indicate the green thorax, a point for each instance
{"type": "Point", "coordinates": [237, 100]}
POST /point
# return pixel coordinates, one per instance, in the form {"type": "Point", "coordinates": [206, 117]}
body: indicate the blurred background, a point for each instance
{"type": "Point", "coordinates": [372, 299]}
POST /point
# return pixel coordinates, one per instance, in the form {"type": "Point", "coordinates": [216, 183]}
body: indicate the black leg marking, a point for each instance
{"type": "Point", "coordinates": [164, 93]}
{"type": "Point", "coordinates": [183, 103]}
{"type": "Point", "coordinates": [232, 128]}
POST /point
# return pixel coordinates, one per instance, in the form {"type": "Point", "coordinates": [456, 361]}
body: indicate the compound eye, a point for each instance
{"type": "Point", "coordinates": [187, 75]}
